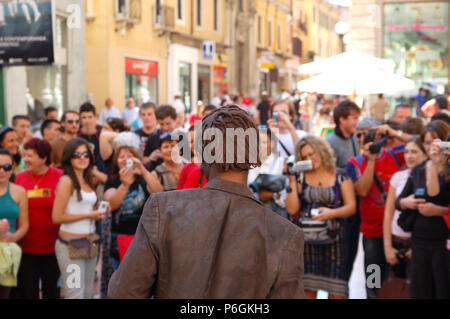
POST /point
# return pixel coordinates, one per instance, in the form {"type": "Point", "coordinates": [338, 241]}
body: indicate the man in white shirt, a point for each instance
{"type": "Point", "coordinates": [130, 113]}
{"type": "Point", "coordinates": [109, 111]}
{"type": "Point", "coordinates": [180, 108]}
{"type": "Point", "coordinates": [288, 136]}
{"type": "Point", "coordinates": [216, 101]}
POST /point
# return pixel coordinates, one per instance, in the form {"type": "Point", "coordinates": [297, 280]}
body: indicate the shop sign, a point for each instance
{"type": "Point", "coordinates": [141, 67]}
{"type": "Point", "coordinates": [26, 32]}
{"type": "Point", "coordinates": [267, 66]}
{"type": "Point", "coordinates": [208, 50]}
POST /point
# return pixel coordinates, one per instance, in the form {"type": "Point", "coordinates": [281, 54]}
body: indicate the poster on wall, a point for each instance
{"type": "Point", "coordinates": [26, 32]}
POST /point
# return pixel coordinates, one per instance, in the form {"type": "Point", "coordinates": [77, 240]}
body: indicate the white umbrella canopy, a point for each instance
{"type": "Point", "coordinates": [349, 60]}
{"type": "Point", "coordinates": [354, 81]}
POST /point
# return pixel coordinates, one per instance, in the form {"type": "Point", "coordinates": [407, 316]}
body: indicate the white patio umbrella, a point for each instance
{"type": "Point", "coordinates": [356, 81]}
{"type": "Point", "coordinates": [351, 59]}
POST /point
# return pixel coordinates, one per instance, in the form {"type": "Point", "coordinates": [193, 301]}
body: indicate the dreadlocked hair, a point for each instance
{"type": "Point", "coordinates": [232, 116]}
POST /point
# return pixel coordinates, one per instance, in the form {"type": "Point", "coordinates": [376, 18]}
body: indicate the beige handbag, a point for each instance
{"type": "Point", "coordinates": [83, 248]}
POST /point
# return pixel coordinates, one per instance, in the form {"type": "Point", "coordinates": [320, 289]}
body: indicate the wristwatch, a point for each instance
{"type": "Point", "coordinates": [399, 134]}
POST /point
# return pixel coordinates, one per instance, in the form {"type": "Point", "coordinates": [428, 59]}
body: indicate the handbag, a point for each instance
{"type": "Point", "coordinates": [83, 248]}
{"type": "Point", "coordinates": [395, 288]}
{"type": "Point", "coordinates": [321, 232]}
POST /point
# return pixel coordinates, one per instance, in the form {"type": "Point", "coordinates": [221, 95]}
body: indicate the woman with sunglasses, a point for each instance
{"type": "Point", "coordinates": [38, 246]}
{"type": "Point", "coordinates": [14, 208]}
{"type": "Point", "coordinates": [10, 140]}
{"type": "Point", "coordinates": [168, 173]}
{"type": "Point", "coordinates": [75, 211]}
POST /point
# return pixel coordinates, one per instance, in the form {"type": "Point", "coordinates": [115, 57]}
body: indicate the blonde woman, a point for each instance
{"type": "Point", "coordinates": [327, 192]}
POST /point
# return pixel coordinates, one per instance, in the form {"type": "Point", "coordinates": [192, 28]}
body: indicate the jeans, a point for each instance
{"type": "Point", "coordinates": [351, 242]}
{"type": "Point", "coordinates": [374, 255]}
{"type": "Point", "coordinates": [429, 278]}
{"type": "Point", "coordinates": [85, 283]}
{"type": "Point", "coordinates": [32, 269]}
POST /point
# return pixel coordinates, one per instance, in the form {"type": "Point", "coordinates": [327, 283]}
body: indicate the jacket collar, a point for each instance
{"type": "Point", "coordinates": [339, 133]}
{"type": "Point", "coordinates": [232, 188]}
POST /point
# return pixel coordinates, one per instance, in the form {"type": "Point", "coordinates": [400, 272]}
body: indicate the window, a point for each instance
{"type": "Point", "coordinates": [416, 39]}
{"type": "Point", "coordinates": [241, 5]}
{"type": "Point", "coordinates": [180, 10]}
{"type": "Point", "coordinates": [141, 80]}
{"type": "Point", "coordinates": [269, 33]}
{"type": "Point", "coordinates": [185, 83]}
{"type": "Point", "coordinates": [158, 8]}
{"type": "Point", "coordinates": [52, 90]}
{"type": "Point", "coordinates": [199, 13]}
{"type": "Point", "coordinates": [216, 16]}
{"type": "Point", "coordinates": [297, 47]}
{"type": "Point", "coordinates": [259, 29]}
{"type": "Point", "coordinates": [279, 38]}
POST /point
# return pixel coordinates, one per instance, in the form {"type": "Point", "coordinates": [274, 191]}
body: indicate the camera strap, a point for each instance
{"type": "Point", "coordinates": [284, 147]}
{"type": "Point", "coordinates": [380, 186]}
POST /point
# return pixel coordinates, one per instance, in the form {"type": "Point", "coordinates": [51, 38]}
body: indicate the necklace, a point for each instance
{"type": "Point", "coordinates": [36, 185]}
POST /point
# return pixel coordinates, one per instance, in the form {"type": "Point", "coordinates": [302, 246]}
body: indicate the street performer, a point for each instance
{"type": "Point", "coordinates": [218, 242]}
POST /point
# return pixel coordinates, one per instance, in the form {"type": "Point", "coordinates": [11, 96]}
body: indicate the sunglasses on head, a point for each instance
{"type": "Point", "coordinates": [111, 120]}
{"type": "Point", "coordinates": [6, 167]}
{"type": "Point", "coordinates": [80, 155]}
{"type": "Point", "coordinates": [73, 121]}
{"type": "Point", "coordinates": [6, 129]}
{"type": "Point", "coordinates": [166, 135]}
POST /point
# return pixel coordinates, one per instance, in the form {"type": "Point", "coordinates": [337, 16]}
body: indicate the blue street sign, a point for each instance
{"type": "Point", "coordinates": [208, 50]}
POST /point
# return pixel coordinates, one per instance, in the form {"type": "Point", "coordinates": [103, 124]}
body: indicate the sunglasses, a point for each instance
{"type": "Point", "coordinates": [359, 135]}
{"type": "Point", "coordinates": [6, 167]}
{"type": "Point", "coordinates": [73, 121]}
{"type": "Point", "coordinates": [80, 155]}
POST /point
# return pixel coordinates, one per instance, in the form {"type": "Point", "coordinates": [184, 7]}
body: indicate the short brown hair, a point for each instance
{"type": "Point", "coordinates": [344, 109]}
{"type": "Point", "coordinates": [233, 117]}
{"type": "Point", "coordinates": [412, 126]}
{"type": "Point", "coordinates": [165, 111]}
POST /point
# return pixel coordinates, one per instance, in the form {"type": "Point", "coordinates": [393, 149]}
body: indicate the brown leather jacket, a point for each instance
{"type": "Point", "coordinates": [218, 242]}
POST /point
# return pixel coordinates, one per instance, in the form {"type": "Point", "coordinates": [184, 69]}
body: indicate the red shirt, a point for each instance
{"type": "Point", "coordinates": [42, 235]}
{"type": "Point", "coordinates": [372, 206]}
{"type": "Point", "coordinates": [184, 174]}
{"type": "Point", "coordinates": [193, 119]}
{"type": "Point", "coordinates": [193, 179]}
{"type": "Point", "coordinates": [447, 218]}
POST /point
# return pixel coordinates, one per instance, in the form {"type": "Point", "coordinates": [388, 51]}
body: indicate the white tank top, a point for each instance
{"type": "Point", "coordinates": [74, 207]}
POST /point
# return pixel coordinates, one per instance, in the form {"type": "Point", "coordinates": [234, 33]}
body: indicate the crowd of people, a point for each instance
{"type": "Point", "coordinates": [387, 179]}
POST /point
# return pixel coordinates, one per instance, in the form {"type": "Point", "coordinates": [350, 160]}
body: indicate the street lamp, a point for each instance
{"type": "Point", "coordinates": [342, 28]}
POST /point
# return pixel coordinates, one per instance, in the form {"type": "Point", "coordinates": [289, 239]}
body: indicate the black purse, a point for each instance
{"type": "Point", "coordinates": [407, 219]}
